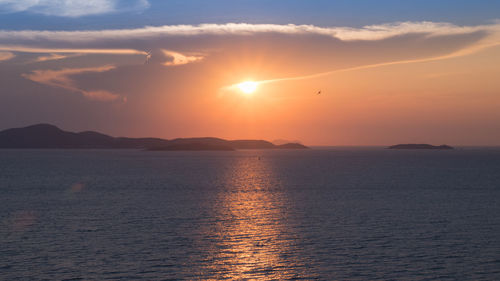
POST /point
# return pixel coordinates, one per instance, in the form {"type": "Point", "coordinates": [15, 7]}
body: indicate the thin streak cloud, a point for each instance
{"type": "Point", "coordinates": [53, 57]}
{"type": "Point", "coordinates": [174, 58]}
{"type": "Point", "coordinates": [464, 52]}
{"type": "Point", "coordinates": [28, 49]}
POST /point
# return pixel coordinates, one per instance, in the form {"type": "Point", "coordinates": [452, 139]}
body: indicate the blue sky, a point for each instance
{"type": "Point", "coordinates": [138, 13]}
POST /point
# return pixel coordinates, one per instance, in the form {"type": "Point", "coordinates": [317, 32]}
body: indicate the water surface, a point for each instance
{"type": "Point", "coordinates": [322, 214]}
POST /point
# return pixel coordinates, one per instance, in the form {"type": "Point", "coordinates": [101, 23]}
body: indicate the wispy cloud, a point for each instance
{"type": "Point", "coordinates": [6, 56]}
{"type": "Point", "coordinates": [40, 50]}
{"type": "Point", "coordinates": [53, 57]}
{"type": "Point", "coordinates": [71, 8]}
{"type": "Point", "coordinates": [62, 79]}
{"type": "Point", "coordinates": [370, 32]}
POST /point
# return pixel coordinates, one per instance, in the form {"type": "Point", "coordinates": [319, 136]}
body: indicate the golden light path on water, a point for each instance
{"type": "Point", "coordinates": [253, 237]}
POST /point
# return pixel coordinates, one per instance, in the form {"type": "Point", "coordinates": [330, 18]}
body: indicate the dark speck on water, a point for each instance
{"type": "Point", "coordinates": [319, 214]}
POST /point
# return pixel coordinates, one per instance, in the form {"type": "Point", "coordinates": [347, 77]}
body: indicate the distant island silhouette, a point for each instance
{"type": "Point", "coordinates": [420, 146]}
{"type": "Point", "coordinates": [284, 141]}
{"type": "Point", "coordinates": [50, 136]}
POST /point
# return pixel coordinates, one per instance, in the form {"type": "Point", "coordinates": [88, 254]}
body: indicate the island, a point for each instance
{"type": "Point", "coordinates": [421, 146]}
{"type": "Point", "coordinates": [51, 137]}
{"type": "Point", "coordinates": [221, 144]}
{"type": "Point", "coordinates": [192, 147]}
{"type": "Point", "coordinates": [291, 146]}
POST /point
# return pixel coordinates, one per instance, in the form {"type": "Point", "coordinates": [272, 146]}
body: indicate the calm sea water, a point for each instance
{"type": "Point", "coordinates": [322, 214]}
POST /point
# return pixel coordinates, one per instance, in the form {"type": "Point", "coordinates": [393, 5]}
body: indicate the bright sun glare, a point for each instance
{"type": "Point", "coordinates": [248, 87]}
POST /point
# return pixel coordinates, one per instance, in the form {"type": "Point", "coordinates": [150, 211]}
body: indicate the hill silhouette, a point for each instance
{"type": "Point", "coordinates": [50, 136]}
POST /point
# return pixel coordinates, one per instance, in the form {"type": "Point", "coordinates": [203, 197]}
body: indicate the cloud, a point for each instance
{"type": "Point", "coordinates": [64, 53]}
{"type": "Point", "coordinates": [71, 8]}
{"type": "Point", "coordinates": [173, 58]}
{"type": "Point", "coordinates": [62, 79]}
{"type": "Point", "coordinates": [367, 33]}
{"type": "Point", "coordinates": [383, 31]}
{"type": "Point", "coordinates": [6, 56]}
{"type": "Point", "coordinates": [162, 37]}
{"type": "Point", "coordinates": [325, 53]}
{"type": "Point", "coordinates": [52, 57]}
{"type": "Point", "coordinates": [41, 50]}
{"type": "Point", "coordinates": [180, 59]}
{"type": "Point", "coordinates": [463, 52]}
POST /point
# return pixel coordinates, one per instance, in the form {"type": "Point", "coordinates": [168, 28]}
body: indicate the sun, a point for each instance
{"type": "Point", "coordinates": [248, 87]}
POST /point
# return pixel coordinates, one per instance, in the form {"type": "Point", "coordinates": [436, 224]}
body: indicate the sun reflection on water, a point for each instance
{"type": "Point", "coordinates": [252, 236]}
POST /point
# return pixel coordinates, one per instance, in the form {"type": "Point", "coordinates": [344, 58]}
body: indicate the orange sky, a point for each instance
{"type": "Point", "coordinates": [412, 83]}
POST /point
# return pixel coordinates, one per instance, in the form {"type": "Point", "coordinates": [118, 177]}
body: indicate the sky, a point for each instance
{"type": "Point", "coordinates": [388, 71]}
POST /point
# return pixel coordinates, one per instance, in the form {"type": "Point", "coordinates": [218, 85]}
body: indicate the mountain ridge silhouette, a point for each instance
{"type": "Point", "coordinates": [51, 137]}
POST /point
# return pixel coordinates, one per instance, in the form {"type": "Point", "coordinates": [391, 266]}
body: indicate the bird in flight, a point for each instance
{"type": "Point", "coordinates": [319, 92]}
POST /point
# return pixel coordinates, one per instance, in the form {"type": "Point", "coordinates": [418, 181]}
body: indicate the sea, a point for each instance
{"type": "Point", "coordinates": [330, 213]}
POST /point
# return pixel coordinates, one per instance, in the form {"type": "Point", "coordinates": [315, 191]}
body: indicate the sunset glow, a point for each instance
{"type": "Point", "coordinates": [250, 140]}
{"type": "Point", "coordinates": [248, 87]}
{"type": "Point", "coordinates": [415, 80]}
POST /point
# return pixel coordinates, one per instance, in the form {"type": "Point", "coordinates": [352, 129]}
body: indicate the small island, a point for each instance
{"type": "Point", "coordinates": [421, 146]}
